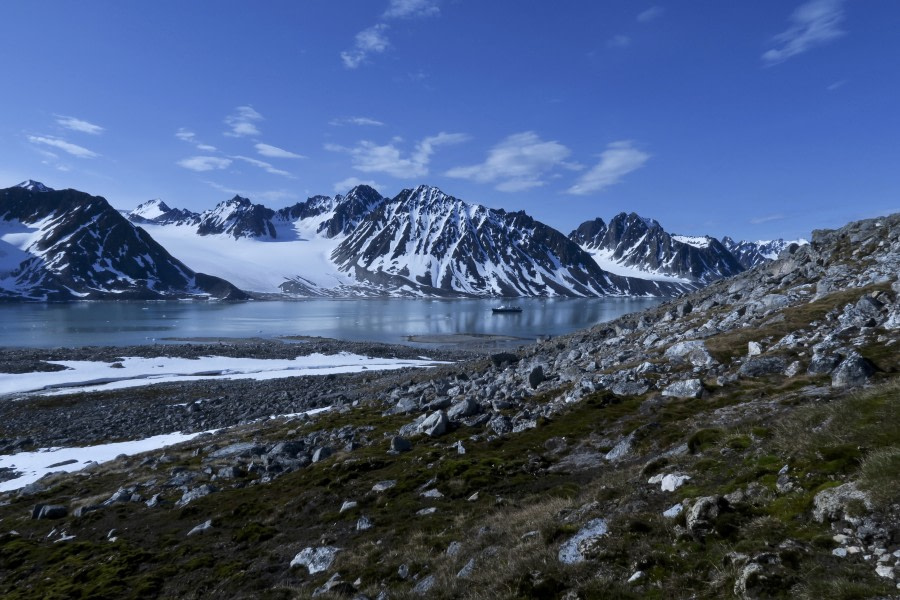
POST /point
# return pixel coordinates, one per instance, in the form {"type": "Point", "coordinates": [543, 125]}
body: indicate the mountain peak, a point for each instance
{"type": "Point", "coordinates": [151, 209]}
{"type": "Point", "coordinates": [34, 186]}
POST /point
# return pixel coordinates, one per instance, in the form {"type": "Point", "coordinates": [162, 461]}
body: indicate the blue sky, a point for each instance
{"type": "Point", "coordinates": [756, 119]}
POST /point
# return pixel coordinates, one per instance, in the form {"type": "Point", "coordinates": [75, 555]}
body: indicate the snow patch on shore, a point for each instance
{"type": "Point", "coordinates": [91, 376]}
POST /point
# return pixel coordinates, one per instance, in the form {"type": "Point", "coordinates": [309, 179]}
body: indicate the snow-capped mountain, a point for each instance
{"type": "Point", "coordinates": [158, 212]}
{"type": "Point", "coordinates": [635, 246]}
{"type": "Point", "coordinates": [424, 240]}
{"type": "Point", "coordinates": [58, 245]}
{"type": "Point", "coordinates": [750, 254]}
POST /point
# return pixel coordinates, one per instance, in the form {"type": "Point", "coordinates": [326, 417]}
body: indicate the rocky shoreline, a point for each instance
{"type": "Point", "coordinates": [29, 421]}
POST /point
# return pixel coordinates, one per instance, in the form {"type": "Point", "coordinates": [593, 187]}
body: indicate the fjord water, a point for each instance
{"type": "Point", "coordinates": [390, 320]}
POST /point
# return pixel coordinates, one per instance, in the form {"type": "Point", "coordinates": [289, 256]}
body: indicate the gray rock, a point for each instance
{"type": "Point", "coordinates": [49, 511]}
{"type": "Point", "coordinates": [823, 364]}
{"type": "Point", "coordinates": [502, 359]}
{"type": "Point", "coordinates": [701, 516]}
{"type": "Point", "coordinates": [693, 351]}
{"type": "Point", "coordinates": [348, 505]}
{"type": "Point", "coordinates": [536, 377]}
{"type": "Point", "coordinates": [462, 409]}
{"type": "Point", "coordinates": [241, 449]}
{"type": "Point", "coordinates": [230, 473]}
{"type": "Point", "coordinates": [501, 425]}
{"type": "Point", "coordinates": [364, 523]}
{"type": "Point", "coordinates": [629, 388]}
{"type": "Point", "coordinates": [315, 560]}
{"type": "Point", "coordinates": [758, 366]}
{"type": "Point", "coordinates": [832, 504]}
{"type": "Point", "coordinates": [197, 492]}
{"type": "Point", "coordinates": [385, 485]}
{"type": "Point", "coordinates": [754, 349]}
{"type": "Point", "coordinates": [435, 425]}
{"type": "Point", "coordinates": [853, 371]}
{"type": "Point", "coordinates": [425, 585]}
{"type": "Point", "coordinates": [400, 444]}
{"type": "Point", "coordinates": [689, 388]}
{"type": "Point", "coordinates": [467, 570]}
{"type": "Point", "coordinates": [405, 405]}
{"type": "Point", "coordinates": [201, 528]}
{"type": "Point", "coordinates": [287, 449]}
{"type": "Point", "coordinates": [321, 454]}
{"type": "Point", "coordinates": [570, 552]}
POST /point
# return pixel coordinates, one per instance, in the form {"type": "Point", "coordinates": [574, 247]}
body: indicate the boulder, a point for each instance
{"type": "Point", "coordinates": [315, 560]}
{"type": "Point", "coordinates": [536, 377]}
{"type": "Point", "coordinates": [191, 495]}
{"type": "Point", "coordinates": [504, 359]}
{"type": "Point", "coordinates": [201, 528]}
{"type": "Point", "coordinates": [693, 351]}
{"type": "Point", "coordinates": [758, 366]}
{"type": "Point", "coordinates": [832, 504]}
{"type": "Point", "coordinates": [400, 444]}
{"type": "Point", "coordinates": [49, 511]}
{"type": "Point", "coordinates": [570, 552]}
{"type": "Point", "coordinates": [462, 409]}
{"type": "Point", "coordinates": [701, 516]}
{"type": "Point", "coordinates": [435, 425]}
{"type": "Point", "coordinates": [241, 449]}
{"type": "Point", "coordinates": [854, 370]}
{"type": "Point", "coordinates": [689, 388]}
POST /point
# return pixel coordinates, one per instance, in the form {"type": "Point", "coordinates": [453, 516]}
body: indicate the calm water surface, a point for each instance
{"type": "Point", "coordinates": [383, 320]}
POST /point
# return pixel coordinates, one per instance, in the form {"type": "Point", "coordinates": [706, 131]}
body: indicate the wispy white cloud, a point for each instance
{"type": "Point", "coordinates": [654, 12]}
{"type": "Point", "coordinates": [262, 195]}
{"type": "Point", "coordinates": [205, 163]}
{"type": "Point", "coordinates": [767, 219]}
{"type": "Point", "coordinates": [812, 24]}
{"type": "Point", "coordinates": [374, 39]}
{"type": "Point", "coordinates": [268, 168]}
{"type": "Point", "coordinates": [79, 125]}
{"type": "Point", "coordinates": [619, 41]}
{"type": "Point", "coordinates": [837, 85]}
{"type": "Point", "coordinates": [345, 185]}
{"type": "Point", "coordinates": [363, 121]}
{"type": "Point", "coordinates": [368, 41]}
{"type": "Point", "coordinates": [275, 151]}
{"type": "Point", "coordinates": [370, 157]}
{"type": "Point", "coordinates": [519, 162]}
{"type": "Point", "coordinates": [73, 149]}
{"type": "Point", "coordinates": [406, 9]}
{"type": "Point", "coordinates": [190, 137]}
{"type": "Point", "coordinates": [243, 122]}
{"type": "Point", "coordinates": [619, 159]}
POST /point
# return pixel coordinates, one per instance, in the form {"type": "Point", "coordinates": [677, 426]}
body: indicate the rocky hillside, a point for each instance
{"type": "Point", "coordinates": [742, 441]}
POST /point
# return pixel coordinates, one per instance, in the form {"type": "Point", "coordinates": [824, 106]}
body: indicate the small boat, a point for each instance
{"type": "Point", "coordinates": [506, 308]}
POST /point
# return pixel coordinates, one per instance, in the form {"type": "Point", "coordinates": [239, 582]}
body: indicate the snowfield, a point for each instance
{"type": "Point", "coordinates": [31, 466]}
{"type": "Point", "coordinates": [91, 376]}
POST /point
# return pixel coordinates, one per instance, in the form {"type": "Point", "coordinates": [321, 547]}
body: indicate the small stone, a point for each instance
{"type": "Point", "coordinates": [886, 571]}
{"type": "Point", "coordinates": [201, 528]}
{"type": "Point", "coordinates": [321, 454]}
{"type": "Point", "coordinates": [689, 388]}
{"type": "Point", "coordinates": [382, 486]}
{"type": "Point", "coordinates": [453, 549]}
{"type": "Point", "coordinates": [426, 511]}
{"type": "Point", "coordinates": [467, 570]}
{"type": "Point", "coordinates": [432, 493]}
{"type": "Point", "coordinates": [425, 585]}
{"type": "Point", "coordinates": [364, 523]}
{"type": "Point", "coordinates": [753, 349]}
{"type": "Point", "coordinates": [840, 552]}
{"type": "Point", "coordinates": [348, 505]}
{"type": "Point", "coordinates": [473, 497]}
{"type": "Point", "coordinates": [569, 552]}
{"type": "Point", "coordinates": [638, 575]}
{"type": "Point", "coordinates": [673, 511]}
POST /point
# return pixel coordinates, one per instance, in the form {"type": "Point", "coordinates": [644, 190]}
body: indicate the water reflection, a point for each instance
{"type": "Point", "coordinates": [386, 320]}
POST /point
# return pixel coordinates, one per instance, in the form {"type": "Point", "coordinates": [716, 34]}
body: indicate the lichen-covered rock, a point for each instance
{"type": "Point", "coordinates": [854, 370]}
{"type": "Point", "coordinates": [693, 351]}
{"type": "Point", "coordinates": [832, 504]}
{"type": "Point", "coordinates": [315, 560]}
{"type": "Point", "coordinates": [689, 388]}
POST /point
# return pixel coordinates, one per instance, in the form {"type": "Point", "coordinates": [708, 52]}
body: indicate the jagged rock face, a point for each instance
{"type": "Point", "coordinates": [65, 245]}
{"type": "Point", "coordinates": [346, 212]}
{"type": "Point", "coordinates": [238, 217]}
{"type": "Point", "coordinates": [750, 254]}
{"type": "Point", "coordinates": [428, 240]}
{"type": "Point", "coordinates": [633, 241]}
{"type": "Point", "coordinates": [158, 212]}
